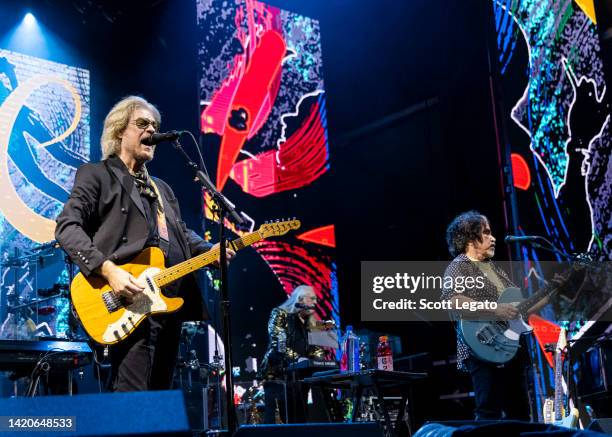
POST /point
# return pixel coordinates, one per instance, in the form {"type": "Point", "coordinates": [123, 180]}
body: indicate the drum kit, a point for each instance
{"type": "Point", "coordinates": [34, 294]}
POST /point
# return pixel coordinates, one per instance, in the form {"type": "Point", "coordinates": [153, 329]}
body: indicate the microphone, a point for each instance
{"type": "Point", "coordinates": [160, 137]}
{"type": "Point", "coordinates": [519, 238]}
{"type": "Point", "coordinates": [303, 306]}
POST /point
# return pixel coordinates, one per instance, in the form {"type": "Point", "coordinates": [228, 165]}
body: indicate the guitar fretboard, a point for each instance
{"type": "Point", "coordinates": [173, 273]}
{"type": "Point", "coordinates": [528, 303]}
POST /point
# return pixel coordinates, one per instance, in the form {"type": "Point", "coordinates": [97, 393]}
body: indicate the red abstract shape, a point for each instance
{"type": "Point", "coordinates": [299, 161]}
{"type": "Point", "coordinates": [294, 265]}
{"type": "Point", "coordinates": [259, 18]}
{"type": "Point", "coordinates": [520, 172]}
{"type": "Point", "coordinates": [545, 332]}
{"type": "Point", "coordinates": [324, 236]}
{"type": "Point", "coordinates": [253, 98]}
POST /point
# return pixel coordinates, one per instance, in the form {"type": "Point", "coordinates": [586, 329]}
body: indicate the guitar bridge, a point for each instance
{"type": "Point", "coordinates": [485, 335]}
{"type": "Point", "coordinates": [111, 301]}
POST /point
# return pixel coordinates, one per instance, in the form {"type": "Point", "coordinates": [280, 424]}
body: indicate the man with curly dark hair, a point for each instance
{"type": "Point", "coordinates": [500, 391]}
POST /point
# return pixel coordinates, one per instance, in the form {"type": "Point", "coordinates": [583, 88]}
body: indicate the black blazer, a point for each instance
{"type": "Point", "coordinates": [104, 219]}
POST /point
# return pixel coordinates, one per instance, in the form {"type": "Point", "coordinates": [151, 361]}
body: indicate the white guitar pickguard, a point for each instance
{"type": "Point", "coordinates": [144, 303]}
{"type": "Point", "coordinates": [516, 327]}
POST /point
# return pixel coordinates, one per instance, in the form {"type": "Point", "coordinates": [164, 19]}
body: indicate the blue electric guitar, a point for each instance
{"type": "Point", "coordinates": [498, 341]}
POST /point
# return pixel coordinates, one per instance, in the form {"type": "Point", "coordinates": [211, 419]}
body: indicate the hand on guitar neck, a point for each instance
{"type": "Point", "coordinates": [229, 253]}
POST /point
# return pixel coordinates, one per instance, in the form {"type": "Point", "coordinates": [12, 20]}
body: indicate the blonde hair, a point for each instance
{"type": "Point", "coordinates": [117, 120]}
{"type": "Point", "coordinates": [297, 296]}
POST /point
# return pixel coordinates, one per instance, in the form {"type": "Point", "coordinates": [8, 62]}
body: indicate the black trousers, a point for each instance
{"type": "Point", "coordinates": [147, 358]}
{"type": "Point", "coordinates": [296, 401]}
{"type": "Point", "coordinates": [500, 390]}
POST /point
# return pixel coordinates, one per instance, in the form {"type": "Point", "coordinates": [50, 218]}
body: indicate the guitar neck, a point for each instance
{"type": "Point", "coordinates": [558, 387]}
{"type": "Point", "coordinates": [528, 303]}
{"type": "Point", "coordinates": [177, 271]}
{"type": "Point", "coordinates": [561, 343]}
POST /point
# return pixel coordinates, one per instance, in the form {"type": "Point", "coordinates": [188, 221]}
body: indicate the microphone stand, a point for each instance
{"type": "Point", "coordinates": [550, 248]}
{"type": "Point", "coordinates": [223, 207]}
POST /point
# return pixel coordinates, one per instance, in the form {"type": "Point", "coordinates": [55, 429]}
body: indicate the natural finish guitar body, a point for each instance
{"type": "Point", "coordinates": [92, 297]}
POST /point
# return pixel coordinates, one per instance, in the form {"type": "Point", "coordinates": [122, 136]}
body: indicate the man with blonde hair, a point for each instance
{"type": "Point", "coordinates": [115, 211]}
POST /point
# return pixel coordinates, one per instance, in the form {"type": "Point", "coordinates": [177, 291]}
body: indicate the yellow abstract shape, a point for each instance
{"type": "Point", "coordinates": [34, 226]}
{"type": "Point", "coordinates": [588, 7]}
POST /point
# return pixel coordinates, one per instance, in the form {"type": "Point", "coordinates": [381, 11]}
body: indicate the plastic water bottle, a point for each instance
{"type": "Point", "coordinates": [384, 354]}
{"type": "Point", "coordinates": [343, 354]}
{"type": "Point", "coordinates": [350, 352]}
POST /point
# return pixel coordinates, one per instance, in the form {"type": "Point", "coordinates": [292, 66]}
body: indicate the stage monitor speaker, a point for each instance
{"type": "Point", "coordinates": [153, 413]}
{"type": "Point", "coordinates": [496, 428]}
{"type": "Point", "coordinates": [362, 429]}
{"type": "Point", "coordinates": [601, 425]}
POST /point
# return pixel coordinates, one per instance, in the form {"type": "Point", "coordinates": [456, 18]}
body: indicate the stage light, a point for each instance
{"type": "Point", "coordinates": [29, 19]}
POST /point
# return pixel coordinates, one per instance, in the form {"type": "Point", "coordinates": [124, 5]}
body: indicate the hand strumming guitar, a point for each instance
{"type": "Point", "coordinates": [122, 282]}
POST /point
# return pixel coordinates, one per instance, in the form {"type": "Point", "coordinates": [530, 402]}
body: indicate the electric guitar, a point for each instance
{"type": "Point", "coordinates": [108, 319]}
{"type": "Point", "coordinates": [553, 408]}
{"type": "Point", "coordinates": [498, 341]}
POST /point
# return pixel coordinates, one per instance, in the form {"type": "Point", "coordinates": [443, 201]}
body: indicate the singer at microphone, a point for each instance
{"type": "Point", "coordinates": [117, 212]}
{"type": "Point", "coordinates": [157, 138]}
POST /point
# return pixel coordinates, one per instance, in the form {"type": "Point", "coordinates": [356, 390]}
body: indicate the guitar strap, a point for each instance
{"type": "Point", "coordinates": [162, 226]}
{"type": "Point", "coordinates": [491, 274]}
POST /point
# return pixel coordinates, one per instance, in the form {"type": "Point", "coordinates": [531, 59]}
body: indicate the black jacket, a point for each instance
{"type": "Point", "coordinates": [104, 219]}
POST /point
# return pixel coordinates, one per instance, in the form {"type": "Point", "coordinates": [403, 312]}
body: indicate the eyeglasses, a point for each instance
{"type": "Point", "coordinates": [143, 123]}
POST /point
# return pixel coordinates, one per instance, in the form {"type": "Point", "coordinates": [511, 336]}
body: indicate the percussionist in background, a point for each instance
{"type": "Point", "coordinates": [288, 330]}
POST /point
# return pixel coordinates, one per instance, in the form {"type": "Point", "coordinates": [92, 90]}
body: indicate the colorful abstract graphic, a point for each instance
{"type": "Point", "coordinates": [564, 112]}
{"type": "Point", "coordinates": [262, 95]}
{"type": "Point", "coordinates": [44, 137]}
{"type": "Point", "coordinates": [262, 92]}
{"type": "Point", "coordinates": [552, 73]}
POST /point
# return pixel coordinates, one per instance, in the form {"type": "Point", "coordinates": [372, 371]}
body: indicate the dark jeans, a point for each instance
{"type": "Point", "coordinates": [146, 359]}
{"type": "Point", "coordinates": [500, 390]}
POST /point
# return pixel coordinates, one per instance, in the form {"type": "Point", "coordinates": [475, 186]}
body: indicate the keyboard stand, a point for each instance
{"type": "Point", "coordinates": [378, 382]}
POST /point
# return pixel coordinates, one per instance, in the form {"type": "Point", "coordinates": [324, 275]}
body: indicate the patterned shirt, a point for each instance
{"type": "Point", "coordinates": [462, 266]}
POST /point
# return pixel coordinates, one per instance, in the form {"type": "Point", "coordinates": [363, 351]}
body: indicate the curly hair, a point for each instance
{"type": "Point", "coordinates": [465, 228]}
{"type": "Point", "coordinates": [117, 120]}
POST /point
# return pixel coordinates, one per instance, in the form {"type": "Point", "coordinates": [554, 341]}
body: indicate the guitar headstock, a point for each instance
{"type": "Point", "coordinates": [275, 229]}
{"type": "Point", "coordinates": [562, 342]}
